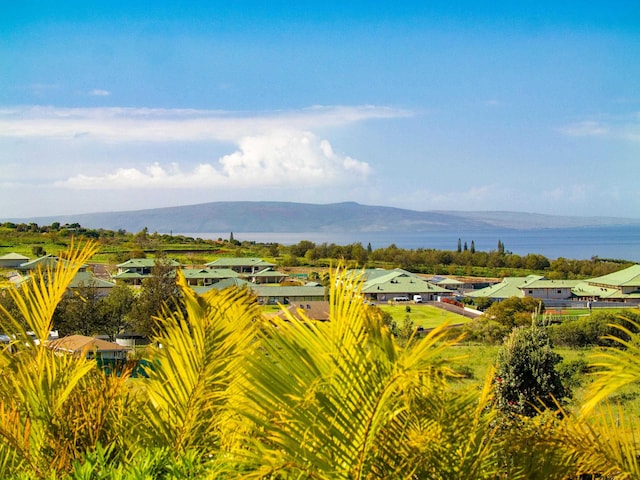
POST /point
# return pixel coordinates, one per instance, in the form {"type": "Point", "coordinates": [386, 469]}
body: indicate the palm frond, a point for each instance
{"type": "Point", "coordinates": [38, 297]}
{"type": "Point", "coordinates": [332, 399]}
{"type": "Point", "coordinates": [604, 442]}
{"type": "Point", "coordinates": [194, 367]}
{"type": "Point", "coordinates": [44, 396]}
{"type": "Point", "coordinates": [615, 368]}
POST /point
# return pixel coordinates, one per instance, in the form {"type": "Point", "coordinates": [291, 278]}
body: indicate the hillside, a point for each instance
{"type": "Point", "coordinates": [283, 217]}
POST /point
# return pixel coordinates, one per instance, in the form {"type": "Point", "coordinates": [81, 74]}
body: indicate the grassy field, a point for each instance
{"type": "Point", "coordinates": [424, 316]}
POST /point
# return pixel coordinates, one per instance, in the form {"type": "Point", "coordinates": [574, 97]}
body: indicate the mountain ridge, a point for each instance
{"type": "Point", "coordinates": [292, 217]}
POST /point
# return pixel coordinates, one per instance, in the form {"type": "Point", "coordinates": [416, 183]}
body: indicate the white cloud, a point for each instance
{"type": "Point", "coordinates": [587, 128]}
{"type": "Point", "coordinates": [625, 127]}
{"type": "Point", "coordinates": [98, 92]}
{"type": "Point", "coordinates": [569, 193]}
{"type": "Point", "coordinates": [174, 125]}
{"type": "Point", "coordinates": [278, 159]}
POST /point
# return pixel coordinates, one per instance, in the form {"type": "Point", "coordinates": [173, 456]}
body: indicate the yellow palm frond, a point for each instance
{"type": "Point", "coordinates": [615, 367]}
{"type": "Point", "coordinates": [336, 399]}
{"type": "Point", "coordinates": [38, 388]}
{"type": "Point", "coordinates": [194, 367]}
{"type": "Point", "coordinates": [604, 442]}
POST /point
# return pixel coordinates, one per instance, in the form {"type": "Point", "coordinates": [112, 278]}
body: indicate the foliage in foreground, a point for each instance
{"type": "Point", "coordinates": [231, 394]}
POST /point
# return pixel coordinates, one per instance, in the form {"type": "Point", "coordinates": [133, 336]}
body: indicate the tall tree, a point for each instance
{"type": "Point", "coordinates": [116, 308]}
{"type": "Point", "coordinates": [157, 292]}
{"type": "Point", "coordinates": [79, 311]}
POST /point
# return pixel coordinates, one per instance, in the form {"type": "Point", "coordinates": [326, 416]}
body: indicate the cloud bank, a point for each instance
{"type": "Point", "coordinates": [117, 124]}
{"type": "Point", "coordinates": [279, 159]}
{"type": "Point", "coordinates": [272, 149]}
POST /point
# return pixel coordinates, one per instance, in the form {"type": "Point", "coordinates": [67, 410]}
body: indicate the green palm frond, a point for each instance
{"type": "Point", "coordinates": [45, 396]}
{"type": "Point", "coordinates": [194, 368]}
{"type": "Point", "coordinates": [605, 443]}
{"type": "Point", "coordinates": [615, 367]}
{"type": "Point", "coordinates": [38, 297]}
{"type": "Point", "coordinates": [337, 399]}
{"type": "Point", "coordinates": [601, 439]}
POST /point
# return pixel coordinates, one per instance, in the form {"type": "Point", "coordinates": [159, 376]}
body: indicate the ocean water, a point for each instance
{"type": "Point", "coordinates": [619, 242]}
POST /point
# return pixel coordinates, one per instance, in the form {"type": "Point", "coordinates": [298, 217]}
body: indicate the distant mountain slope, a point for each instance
{"type": "Point", "coordinates": [303, 217]}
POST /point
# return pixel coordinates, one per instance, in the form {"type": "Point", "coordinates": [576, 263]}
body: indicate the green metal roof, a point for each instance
{"type": "Point", "coordinates": [43, 262]}
{"type": "Point", "coordinates": [87, 279]}
{"type": "Point", "coordinates": [509, 287]}
{"type": "Point", "coordinates": [13, 256]}
{"type": "Point", "coordinates": [269, 272]}
{"type": "Point", "coordinates": [239, 262]}
{"type": "Point", "coordinates": [546, 283]}
{"type": "Point", "coordinates": [191, 273]}
{"type": "Point", "coordinates": [222, 284]}
{"type": "Point", "coordinates": [398, 281]}
{"type": "Point", "coordinates": [585, 289]}
{"type": "Point", "coordinates": [145, 262]}
{"type": "Point", "coordinates": [286, 291]}
{"type": "Point", "coordinates": [629, 277]}
{"type": "Point", "coordinates": [129, 274]}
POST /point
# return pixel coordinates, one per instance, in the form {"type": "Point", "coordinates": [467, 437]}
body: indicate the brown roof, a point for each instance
{"type": "Point", "coordinates": [80, 343]}
{"type": "Point", "coordinates": [313, 310]}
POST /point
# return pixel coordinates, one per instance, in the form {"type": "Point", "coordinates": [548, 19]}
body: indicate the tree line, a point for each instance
{"type": "Point", "coordinates": [461, 260]}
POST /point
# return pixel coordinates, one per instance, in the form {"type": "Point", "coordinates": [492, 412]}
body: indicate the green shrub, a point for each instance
{"type": "Point", "coordinates": [593, 330]}
{"type": "Point", "coordinates": [526, 377]}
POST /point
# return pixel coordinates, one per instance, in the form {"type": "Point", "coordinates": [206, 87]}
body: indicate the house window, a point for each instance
{"type": "Point", "coordinates": [559, 291]}
{"type": "Point", "coordinates": [530, 292]}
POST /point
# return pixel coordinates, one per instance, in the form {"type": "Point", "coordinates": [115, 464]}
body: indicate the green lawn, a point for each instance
{"type": "Point", "coordinates": [424, 316]}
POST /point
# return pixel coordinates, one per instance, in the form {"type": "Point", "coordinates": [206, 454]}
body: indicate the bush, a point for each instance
{"type": "Point", "coordinates": [526, 376]}
{"type": "Point", "coordinates": [573, 372]}
{"type": "Point", "coordinates": [593, 330]}
{"type": "Point", "coordinates": [486, 331]}
{"type": "Point", "coordinates": [514, 311]}
{"type": "Point", "coordinates": [482, 303]}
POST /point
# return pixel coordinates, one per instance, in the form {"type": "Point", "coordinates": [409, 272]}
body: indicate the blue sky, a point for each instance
{"type": "Point", "coordinates": [528, 106]}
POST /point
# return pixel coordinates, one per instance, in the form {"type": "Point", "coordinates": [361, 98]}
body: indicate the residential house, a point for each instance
{"type": "Point", "coordinates": [623, 285]}
{"type": "Point", "coordinates": [12, 260]}
{"type": "Point", "coordinates": [509, 287]}
{"type": "Point", "coordinates": [132, 340]}
{"type": "Point", "coordinates": [382, 285]}
{"type": "Point", "coordinates": [243, 266]}
{"type": "Point", "coordinates": [268, 275]}
{"type": "Point", "coordinates": [83, 277]}
{"type": "Point", "coordinates": [87, 279]}
{"type": "Point", "coordinates": [204, 277]}
{"type": "Point", "coordinates": [90, 347]}
{"type": "Point", "coordinates": [544, 289]}
{"type": "Point", "coordinates": [44, 262]}
{"type": "Point", "coordinates": [135, 270]}
{"type": "Point", "coordinates": [235, 282]}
